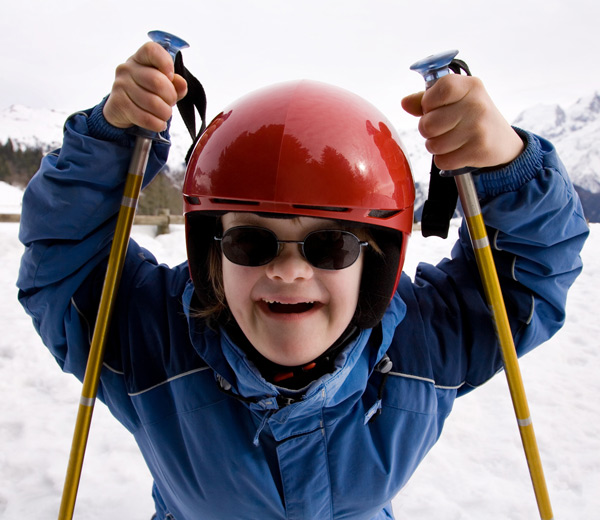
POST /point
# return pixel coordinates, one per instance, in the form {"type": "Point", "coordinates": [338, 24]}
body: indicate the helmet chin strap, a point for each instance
{"type": "Point", "coordinates": [292, 377]}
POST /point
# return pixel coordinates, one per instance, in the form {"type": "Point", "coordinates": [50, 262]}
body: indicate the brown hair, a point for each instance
{"type": "Point", "coordinates": [218, 302]}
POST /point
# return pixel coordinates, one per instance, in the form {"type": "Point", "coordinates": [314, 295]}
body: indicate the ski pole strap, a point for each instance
{"type": "Point", "coordinates": [194, 100]}
{"type": "Point", "coordinates": [442, 196]}
{"type": "Point", "coordinates": [440, 204]}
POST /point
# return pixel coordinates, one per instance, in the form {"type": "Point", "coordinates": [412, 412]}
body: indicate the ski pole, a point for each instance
{"type": "Point", "coordinates": [116, 261]}
{"type": "Point", "coordinates": [433, 68]}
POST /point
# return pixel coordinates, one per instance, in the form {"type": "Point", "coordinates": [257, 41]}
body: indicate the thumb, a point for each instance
{"type": "Point", "coordinates": [412, 104]}
{"type": "Point", "coordinates": [180, 85]}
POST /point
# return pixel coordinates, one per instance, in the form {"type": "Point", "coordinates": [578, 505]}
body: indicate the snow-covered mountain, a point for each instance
{"type": "Point", "coordinates": [43, 128]}
{"type": "Point", "coordinates": [31, 127]}
{"type": "Point", "coordinates": [575, 131]}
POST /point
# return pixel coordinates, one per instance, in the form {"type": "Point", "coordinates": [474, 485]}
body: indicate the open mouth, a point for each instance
{"type": "Point", "coordinates": [289, 308]}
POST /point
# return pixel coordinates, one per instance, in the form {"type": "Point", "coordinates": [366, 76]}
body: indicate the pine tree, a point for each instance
{"type": "Point", "coordinates": [17, 165]}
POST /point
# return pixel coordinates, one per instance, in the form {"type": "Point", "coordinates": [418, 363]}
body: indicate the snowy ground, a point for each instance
{"type": "Point", "coordinates": [477, 470]}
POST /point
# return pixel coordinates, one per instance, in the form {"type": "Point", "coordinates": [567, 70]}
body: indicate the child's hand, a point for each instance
{"type": "Point", "coordinates": [145, 90]}
{"type": "Point", "coordinates": [462, 126]}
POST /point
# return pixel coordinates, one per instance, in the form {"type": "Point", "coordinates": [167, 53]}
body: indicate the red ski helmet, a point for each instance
{"type": "Point", "coordinates": [309, 149]}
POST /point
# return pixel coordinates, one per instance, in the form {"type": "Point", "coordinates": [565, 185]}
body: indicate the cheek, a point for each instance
{"type": "Point", "coordinates": [237, 284]}
{"type": "Point", "coordinates": [345, 288]}
{"type": "Point", "coordinates": [352, 291]}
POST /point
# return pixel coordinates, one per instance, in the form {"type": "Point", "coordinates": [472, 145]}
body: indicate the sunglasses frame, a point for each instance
{"type": "Point", "coordinates": [300, 243]}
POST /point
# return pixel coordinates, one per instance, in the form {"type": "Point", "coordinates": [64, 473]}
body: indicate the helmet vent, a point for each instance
{"type": "Point", "coordinates": [320, 208]}
{"type": "Point", "coordinates": [383, 213]}
{"type": "Point", "coordinates": [192, 200]}
{"type": "Point", "coordinates": [236, 202]}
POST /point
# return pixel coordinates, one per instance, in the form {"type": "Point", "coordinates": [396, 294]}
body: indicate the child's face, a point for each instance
{"type": "Point", "coordinates": [282, 336]}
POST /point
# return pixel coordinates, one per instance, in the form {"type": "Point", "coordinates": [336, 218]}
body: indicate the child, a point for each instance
{"type": "Point", "coordinates": [288, 369]}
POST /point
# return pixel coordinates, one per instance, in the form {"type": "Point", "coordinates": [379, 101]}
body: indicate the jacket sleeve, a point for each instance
{"type": "Point", "coordinates": [536, 229]}
{"type": "Point", "coordinates": [67, 223]}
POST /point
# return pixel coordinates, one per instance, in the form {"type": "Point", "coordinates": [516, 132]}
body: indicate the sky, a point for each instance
{"type": "Point", "coordinates": [62, 54]}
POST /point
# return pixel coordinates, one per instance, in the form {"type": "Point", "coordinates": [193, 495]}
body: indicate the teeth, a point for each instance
{"type": "Point", "coordinates": [281, 303]}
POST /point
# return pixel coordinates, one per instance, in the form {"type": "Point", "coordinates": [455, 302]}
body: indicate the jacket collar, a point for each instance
{"type": "Point", "coordinates": [352, 367]}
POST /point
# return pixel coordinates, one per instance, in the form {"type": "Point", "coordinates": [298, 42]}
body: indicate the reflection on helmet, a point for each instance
{"type": "Point", "coordinates": [304, 148]}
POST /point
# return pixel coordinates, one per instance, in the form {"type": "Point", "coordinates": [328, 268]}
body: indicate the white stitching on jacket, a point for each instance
{"type": "Point", "coordinates": [425, 379]}
{"type": "Point", "coordinates": [201, 369]}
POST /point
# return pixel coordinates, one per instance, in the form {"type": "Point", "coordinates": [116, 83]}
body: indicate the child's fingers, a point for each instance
{"type": "Point", "coordinates": [134, 99]}
{"type": "Point", "coordinates": [148, 80]}
{"type": "Point", "coordinates": [448, 90]}
{"type": "Point", "coordinates": [156, 109]}
{"type": "Point", "coordinates": [139, 116]}
{"type": "Point", "coordinates": [439, 121]}
{"type": "Point", "coordinates": [154, 56]}
{"type": "Point", "coordinates": [145, 90]}
{"type": "Point", "coordinates": [151, 54]}
{"type": "Point", "coordinates": [412, 104]}
{"type": "Point", "coordinates": [180, 85]}
{"type": "Point", "coordinates": [152, 69]}
{"type": "Point", "coordinates": [451, 100]}
{"type": "Point", "coordinates": [457, 149]}
{"type": "Point", "coordinates": [463, 127]}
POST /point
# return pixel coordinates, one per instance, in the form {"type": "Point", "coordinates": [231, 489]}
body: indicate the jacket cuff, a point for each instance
{"type": "Point", "coordinates": [100, 128]}
{"type": "Point", "coordinates": [515, 174]}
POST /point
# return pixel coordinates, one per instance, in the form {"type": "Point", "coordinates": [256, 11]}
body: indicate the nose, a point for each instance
{"type": "Point", "coordinates": [289, 265]}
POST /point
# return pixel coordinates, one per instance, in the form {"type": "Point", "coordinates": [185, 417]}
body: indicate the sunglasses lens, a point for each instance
{"type": "Point", "coordinates": [329, 249]}
{"type": "Point", "coordinates": [324, 249]}
{"type": "Point", "coordinates": [249, 246]}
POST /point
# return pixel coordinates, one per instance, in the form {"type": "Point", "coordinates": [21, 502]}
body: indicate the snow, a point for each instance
{"type": "Point", "coordinates": [477, 470]}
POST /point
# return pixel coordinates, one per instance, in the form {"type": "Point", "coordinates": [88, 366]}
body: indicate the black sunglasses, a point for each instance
{"type": "Point", "coordinates": [253, 246]}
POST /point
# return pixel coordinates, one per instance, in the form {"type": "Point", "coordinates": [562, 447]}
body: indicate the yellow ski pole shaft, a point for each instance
{"type": "Point", "coordinates": [116, 261]}
{"type": "Point", "coordinates": [493, 293]}
{"type": "Point", "coordinates": [432, 69]}
{"type": "Point", "coordinates": [109, 290]}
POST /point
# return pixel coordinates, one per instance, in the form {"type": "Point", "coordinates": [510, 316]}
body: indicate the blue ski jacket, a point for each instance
{"type": "Point", "coordinates": [220, 441]}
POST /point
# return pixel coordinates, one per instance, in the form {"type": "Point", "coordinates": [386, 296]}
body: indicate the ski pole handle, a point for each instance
{"type": "Point", "coordinates": [172, 44]}
{"type": "Point", "coordinates": [116, 261]}
{"type": "Point", "coordinates": [433, 68]}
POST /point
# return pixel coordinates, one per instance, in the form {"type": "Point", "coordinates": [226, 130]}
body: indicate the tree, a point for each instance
{"type": "Point", "coordinates": [17, 166]}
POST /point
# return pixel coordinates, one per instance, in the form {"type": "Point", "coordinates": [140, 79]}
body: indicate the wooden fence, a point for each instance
{"type": "Point", "coordinates": [162, 221]}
